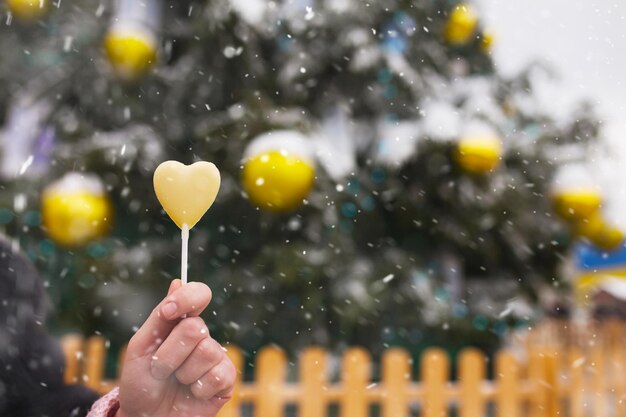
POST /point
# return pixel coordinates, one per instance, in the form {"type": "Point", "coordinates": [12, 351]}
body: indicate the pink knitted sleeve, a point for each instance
{"type": "Point", "coordinates": [106, 406]}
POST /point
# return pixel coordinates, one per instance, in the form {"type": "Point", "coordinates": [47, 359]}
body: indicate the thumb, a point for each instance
{"type": "Point", "coordinates": [191, 298]}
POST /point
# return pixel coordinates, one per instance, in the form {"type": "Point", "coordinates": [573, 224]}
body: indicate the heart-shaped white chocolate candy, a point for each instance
{"type": "Point", "coordinates": [186, 192]}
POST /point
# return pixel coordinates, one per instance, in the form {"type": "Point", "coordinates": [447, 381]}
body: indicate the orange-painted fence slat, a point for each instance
{"type": "Point", "coordinates": [471, 377]}
{"type": "Point", "coordinates": [271, 372]}
{"type": "Point", "coordinates": [396, 377]}
{"type": "Point", "coordinates": [435, 374]}
{"type": "Point", "coordinates": [508, 385]}
{"type": "Point", "coordinates": [313, 369]}
{"type": "Point", "coordinates": [355, 369]}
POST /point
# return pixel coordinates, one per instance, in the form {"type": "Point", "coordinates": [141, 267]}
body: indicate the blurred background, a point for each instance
{"type": "Point", "coordinates": [394, 173]}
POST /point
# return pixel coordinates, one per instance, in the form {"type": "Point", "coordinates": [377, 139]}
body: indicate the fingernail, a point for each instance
{"type": "Point", "coordinates": [169, 310]}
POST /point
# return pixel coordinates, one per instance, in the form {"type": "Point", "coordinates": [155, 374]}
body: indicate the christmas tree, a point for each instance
{"type": "Point", "coordinates": [381, 182]}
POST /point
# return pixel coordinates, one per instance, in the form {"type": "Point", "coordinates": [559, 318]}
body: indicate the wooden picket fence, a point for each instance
{"type": "Point", "coordinates": [544, 379]}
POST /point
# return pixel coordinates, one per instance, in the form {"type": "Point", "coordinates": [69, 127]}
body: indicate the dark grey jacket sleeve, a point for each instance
{"type": "Point", "coordinates": [31, 361]}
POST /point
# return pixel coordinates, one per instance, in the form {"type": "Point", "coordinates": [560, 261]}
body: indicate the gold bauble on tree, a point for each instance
{"type": "Point", "coordinates": [577, 203]}
{"type": "Point", "coordinates": [486, 42]}
{"type": "Point", "coordinates": [278, 170]}
{"type": "Point", "coordinates": [461, 25]}
{"type": "Point", "coordinates": [132, 52]}
{"type": "Point", "coordinates": [478, 154]}
{"type": "Point", "coordinates": [28, 10]}
{"type": "Point", "coordinates": [599, 232]}
{"type": "Point", "coordinates": [76, 210]}
{"type": "Point", "coordinates": [131, 43]}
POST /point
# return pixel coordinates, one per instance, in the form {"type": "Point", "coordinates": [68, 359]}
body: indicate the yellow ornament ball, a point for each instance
{"type": "Point", "coordinates": [461, 25]}
{"type": "Point", "coordinates": [131, 52]}
{"type": "Point", "coordinates": [278, 180]}
{"type": "Point", "coordinates": [479, 154]}
{"type": "Point", "coordinates": [75, 210]}
{"type": "Point", "coordinates": [602, 234]}
{"type": "Point", "coordinates": [577, 203]}
{"type": "Point", "coordinates": [486, 42]}
{"type": "Point", "coordinates": [28, 10]}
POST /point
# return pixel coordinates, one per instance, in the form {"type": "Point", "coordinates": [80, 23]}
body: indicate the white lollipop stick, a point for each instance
{"type": "Point", "coordinates": [185, 250]}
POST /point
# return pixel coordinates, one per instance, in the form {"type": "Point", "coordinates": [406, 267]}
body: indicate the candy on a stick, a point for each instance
{"type": "Point", "coordinates": [186, 192]}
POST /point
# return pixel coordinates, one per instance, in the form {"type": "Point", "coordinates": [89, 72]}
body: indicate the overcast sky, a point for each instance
{"type": "Point", "coordinates": [585, 41]}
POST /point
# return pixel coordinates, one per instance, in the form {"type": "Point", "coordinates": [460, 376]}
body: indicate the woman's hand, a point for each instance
{"type": "Point", "coordinates": [173, 367]}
